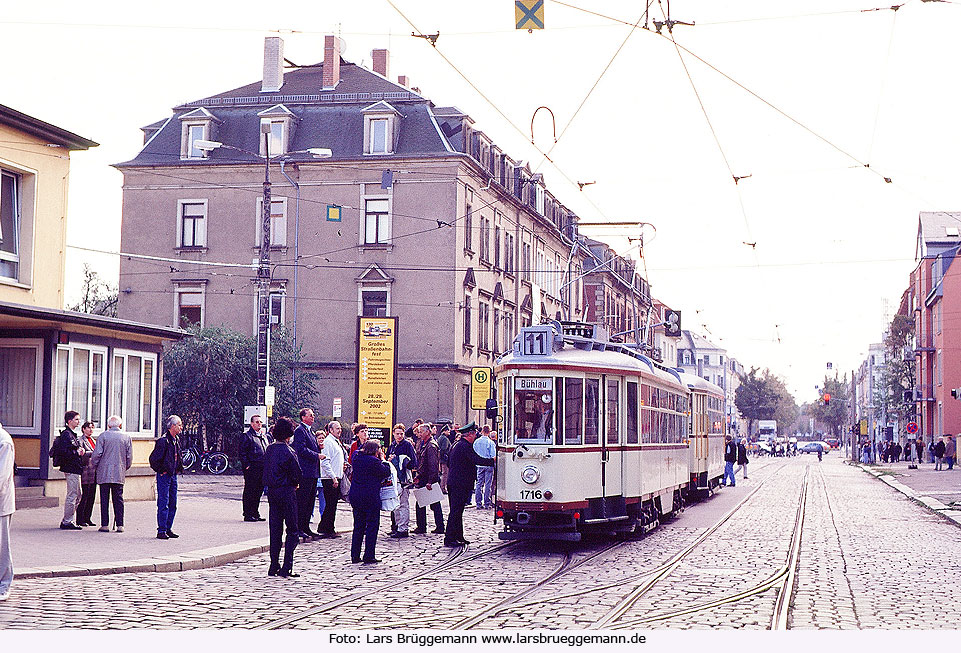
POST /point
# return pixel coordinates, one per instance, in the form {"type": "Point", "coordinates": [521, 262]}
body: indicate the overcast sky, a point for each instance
{"type": "Point", "coordinates": [833, 241]}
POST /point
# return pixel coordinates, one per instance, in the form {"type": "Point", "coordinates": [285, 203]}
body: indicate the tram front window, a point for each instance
{"type": "Point", "coordinates": [534, 416]}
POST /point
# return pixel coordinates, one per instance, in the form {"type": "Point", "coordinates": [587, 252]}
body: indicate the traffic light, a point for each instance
{"type": "Point", "coordinates": [827, 398]}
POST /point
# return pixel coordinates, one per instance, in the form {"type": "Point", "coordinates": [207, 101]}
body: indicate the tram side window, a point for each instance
{"type": "Point", "coordinates": [613, 399]}
{"type": "Point", "coordinates": [656, 426]}
{"type": "Point", "coordinates": [646, 429]}
{"type": "Point", "coordinates": [573, 410]}
{"type": "Point", "coordinates": [631, 412]}
{"type": "Point", "coordinates": [559, 415]}
{"type": "Point", "coordinates": [591, 406]}
{"type": "Point", "coordinates": [507, 392]}
{"type": "Point", "coordinates": [533, 416]}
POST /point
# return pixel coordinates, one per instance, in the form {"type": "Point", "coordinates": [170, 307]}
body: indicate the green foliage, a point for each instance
{"type": "Point", "coordinates": [210, 376]}
{"type": "Point", "coordinates": [96, 295]}
{"type": "Point", "coordinates": [763, 395]}
{"type": "Point", "coordinates": [897, 376]}
{"type": "Point", "coordinates": [834, 414]}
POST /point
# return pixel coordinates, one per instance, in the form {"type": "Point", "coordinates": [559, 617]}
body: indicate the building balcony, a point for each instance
{"type": "Point", "coordinates": [924, 393]}
{"type": "Point", "coordinates": [924, 345]}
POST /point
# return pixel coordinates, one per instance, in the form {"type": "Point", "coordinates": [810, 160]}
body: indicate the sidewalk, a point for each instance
{"type": "Point", "coordinates": [939, 491]}
{"type": "Point", "coordinates": [209, 522]}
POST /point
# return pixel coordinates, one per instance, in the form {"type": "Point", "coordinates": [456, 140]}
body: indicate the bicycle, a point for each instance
{"type": "Point", "coordinates": [215, 462]}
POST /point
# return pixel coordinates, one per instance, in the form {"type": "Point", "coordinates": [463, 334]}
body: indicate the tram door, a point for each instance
{"type": "Point", "coordinates": [611, 454]}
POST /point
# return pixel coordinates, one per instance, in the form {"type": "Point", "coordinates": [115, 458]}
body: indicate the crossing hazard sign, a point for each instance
{"type": "Point", "coordinates": [529, 14]}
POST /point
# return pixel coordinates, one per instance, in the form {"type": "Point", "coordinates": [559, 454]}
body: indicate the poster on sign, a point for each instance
{"type": "Point", "coordinates": [376, 371]}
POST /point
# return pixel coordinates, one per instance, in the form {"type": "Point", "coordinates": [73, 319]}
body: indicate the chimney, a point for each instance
{"type": "Point", "coordinates": [403, 80]}
{"type": "Point", "coordinates": [332, 48]}
{"type": "Point", "coordinates": [273, 64]}
{"type": "Point", "coordinates": [381, 59]}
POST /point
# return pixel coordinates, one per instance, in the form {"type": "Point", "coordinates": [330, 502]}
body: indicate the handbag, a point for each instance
{"type": "Point", "coordinates": [390, 493]}
{"type": "Point", "coordinates": [345, 486]}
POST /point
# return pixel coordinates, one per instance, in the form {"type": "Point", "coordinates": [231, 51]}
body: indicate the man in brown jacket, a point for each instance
{"type": "Point", "coordinates": [428, 473]}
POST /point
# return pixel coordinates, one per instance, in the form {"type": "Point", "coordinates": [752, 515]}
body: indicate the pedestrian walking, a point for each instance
{"type": "Point", "coordinates": [919, 449]}
{"type": "Point", "coordinates": [67, 454]}
{"type": "Point", "coordinates": [308, 455]}
{"type": "Point", "coordinates": [428, 475]}
{"type": "Point", "coordinates": [281, 477]}
{"type": "Point", "coordinates": [866, 453]}
{"type": "Point", "coordinates": [463, 472]}
{"type": "Point", "coordinates": [252, 449]}
{"type": "Point", "coordinates": [112, 458]}
{"type": "Point", "coordinates": [88, 477]}
{"type": "Point", "coordinates": [939, 450]}
{"type": "Point", "coordinates": [896, 456]}
{"type": "Point", "coordinates": [369, 472]}
{"type": "Point", "coordinates": [402, 456]}
{"type": "Point", "coordinates": [485, 448]}
{"type": "Point", "coordinates": [443, 433]}
{"type": "Point", "coordinates": [331, 477]}
{"type": "Point", "coordinates": [7, 508]}
{"type": "Point", "coordinates": [742, 460]}
{"type": "Point", "coordinates": [950, 451]}
{"type": "Point", "coordinates": [730, 457]}
{"type": "Point", "coordinates": [166, 460]}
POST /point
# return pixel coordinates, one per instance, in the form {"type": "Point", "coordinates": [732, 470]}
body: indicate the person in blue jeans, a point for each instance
{"type": "Point", "coordinates": [165, 459]}
{"type": "Point", "coordinates": [730, 457]}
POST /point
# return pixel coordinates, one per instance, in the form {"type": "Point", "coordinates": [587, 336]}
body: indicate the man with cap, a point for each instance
{"type": "Point", "coordinates": [463, 472]}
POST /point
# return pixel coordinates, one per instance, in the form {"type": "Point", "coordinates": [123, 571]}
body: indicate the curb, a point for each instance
{"type": "Point", "coordinates": [952, 514]}
{"type": "Point", "coordinates": [199, 559]}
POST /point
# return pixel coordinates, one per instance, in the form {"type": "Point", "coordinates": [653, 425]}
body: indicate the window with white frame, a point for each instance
{"type": "Point", "coordinates": [483, 325]}
{"type": "Point", "coordinates": [278, 221]}
{"type": "Point", "coordinates": [508, 321]}
{"type": "Point", "coordinates": [468, 219]}
{"type": "Point", "coordinates": [21, 385]}
{"type": "Point", "coordinates": [539, 198]}
{"type": "Point", "coordinates": [80, 383]}
{"type": "Point", "coordinates": [193, 132]}
{"type": "Point", "coordinates": [508, 253]}
{"type": "Point", "coordinates": [276, 141]}
{"type": "Point", "coordinates": [378, 136]}
{"type": "Point", "coordinates": [377, 221]}
{"type": "Point", "coordinates": [189, 306]}
{"type": "Point", "coordinates": [467, 320]}
{"type": "Point", "coordinates": [134, 379]}
{"type": "Point", "coordinates": [485, 231]}
{"type": "Point", "coordinates": [191, 223]}
{"type": "Point", "coordinates": [497, 247]}
{"type": "Point", "coordinates": [9, 224]}
{"type": "Point", "coordinates": [276, 304]}
{"type": "Point", "coordinates": [374, 301]}
{"type": "Point", "coordinates": [526, 262]}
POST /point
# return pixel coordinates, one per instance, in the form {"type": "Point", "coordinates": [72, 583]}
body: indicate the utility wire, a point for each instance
{"type": "Point", "coordinates": [884, 80]}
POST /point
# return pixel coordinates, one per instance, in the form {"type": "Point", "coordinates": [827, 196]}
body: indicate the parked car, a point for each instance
{"type": "Point", "coordinates": [812, 447]}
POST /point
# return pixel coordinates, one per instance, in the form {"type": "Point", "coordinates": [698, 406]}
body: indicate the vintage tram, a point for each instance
{"type": "Point", "coordinates": [598, 436]}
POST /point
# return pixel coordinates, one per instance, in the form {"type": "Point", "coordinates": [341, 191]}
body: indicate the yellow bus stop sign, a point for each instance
{"type": "Point", "coordinates": [529, 14]}
{"type": "Point", "coordinates": [481, 383]}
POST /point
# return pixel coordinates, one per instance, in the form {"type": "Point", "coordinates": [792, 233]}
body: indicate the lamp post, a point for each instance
{"type": "Point", "coordinates": [263, 264]}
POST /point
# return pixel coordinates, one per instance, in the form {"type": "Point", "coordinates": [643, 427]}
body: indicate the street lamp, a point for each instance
{"type": "Point", "coordinates": [263, 266]}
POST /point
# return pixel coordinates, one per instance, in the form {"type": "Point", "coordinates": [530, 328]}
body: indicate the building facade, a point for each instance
{"type": "Point", "coordinates": [417, 215]}
{"type": "Point", "coordinates": [615, 294]}
{"type": "Point", "coordinates": [53, 360]}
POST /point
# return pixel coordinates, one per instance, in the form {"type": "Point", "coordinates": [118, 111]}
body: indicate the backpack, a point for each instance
{"type": "Point", "coordinates": [56, 452]}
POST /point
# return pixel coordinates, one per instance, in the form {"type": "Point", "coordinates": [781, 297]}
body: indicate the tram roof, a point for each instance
{"type": "Point", "coordinates": [588, 360]}
{"type": "Point", "coordinates": [694, 382]}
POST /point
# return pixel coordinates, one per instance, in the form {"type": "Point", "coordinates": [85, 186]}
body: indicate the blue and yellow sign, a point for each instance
{"type": "Point", "coordinates": [529, 14]}
{"type": "Point", "coordinates": [333, 213]}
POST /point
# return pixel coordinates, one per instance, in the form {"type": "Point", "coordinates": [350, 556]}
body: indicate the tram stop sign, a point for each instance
{"type": "Point", "coordinates": [912, 427]}
{"type": "Point", "coordinates": [481, 383]}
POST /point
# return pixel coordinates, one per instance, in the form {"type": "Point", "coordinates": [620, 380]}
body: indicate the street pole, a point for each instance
{"type": "Point", "coordinates": [263, 283]}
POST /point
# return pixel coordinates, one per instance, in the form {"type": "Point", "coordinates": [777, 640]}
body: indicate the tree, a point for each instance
{"type": "Point", "coordinates": [294, 384]}
{"type": "Point", "coordinates": [763, 395]}
{"type": "Point", "coordinates": [834, 413]}
{"type": "Point", "coordinates": [96, 295]}
{"type": "Point", "coordinates": [897, 376]}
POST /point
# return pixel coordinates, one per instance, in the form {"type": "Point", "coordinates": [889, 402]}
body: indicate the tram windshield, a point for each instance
{"type": "Point", "coordinates": [534, 410]}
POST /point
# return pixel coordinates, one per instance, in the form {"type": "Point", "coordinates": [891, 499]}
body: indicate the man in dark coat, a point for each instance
{"type": "Point", "coordinates": [308, 455]}
{"type": "Point", "coordinates": [253, 446]}
{"type": "Point", "coordinates": [165, 459]}
{"type": "Point", "coordinates": [67, 454]}
{"type": "Point", "coordinates": [428, 474]}
{"type": "Point", "coordinates": [742, 457]}
{"type": "Point", "coordinates": [460, 486]}
{"type": "Point", "coordinates": [730, 457]}
{"type": "Point", "coordinates": [282, 476]}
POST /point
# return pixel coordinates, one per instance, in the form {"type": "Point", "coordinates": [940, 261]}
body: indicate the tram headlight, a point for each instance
{"type": "Point", "coordinates": [530, 474]}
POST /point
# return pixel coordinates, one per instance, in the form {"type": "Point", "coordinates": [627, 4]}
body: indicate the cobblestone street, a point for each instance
{"type": "Point", "coordinates": [869, 557]}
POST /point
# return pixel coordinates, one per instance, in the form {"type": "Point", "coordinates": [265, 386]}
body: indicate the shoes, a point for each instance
{"type": "Point", "coordinates": [162, 536]}
{"type": "Point", "coordinates": [287, 573]}
{"type": "Point", "coordinates": [251, 519]}
{"type": "Point", "coordinates": [310, 533]}
{"type": "Point", "coordinates": [733, 485]}
{"type": "Point", "coordinates": [172, 535]}
{"type": "Point", "coordinates": [481, 508]}
{"type": "Point", "coordinates": [372, 561]}
{"type": "Point", "coordinates": [70, 526]}
{"type": "Point", "coordinates": [273, 570]}
{"type": "Point", "coordinates": [118, 529]}
{"type": "Point", "coordinates": [398, 535]}
{"type": "Point", "coordinates": [259, 518]}
{"type": "Point", "coordinates": [463, 541]}
{"type": "Point", "coordinates": [104, 529]}
{"type": "Point", "coordinates": [451, 543]}
{"type": "Point", "coordinates": [419, 531]}
{"type": "Point", "coordinates": [438, 531]}
{"type": "Point", "coordinates": [355, 561]}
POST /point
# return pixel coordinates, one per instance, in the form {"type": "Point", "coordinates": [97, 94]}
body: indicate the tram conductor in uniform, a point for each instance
{"type": "Point", "coordinates": [282, 475]}
{"type": "Point", "coordinates": [460, 486]}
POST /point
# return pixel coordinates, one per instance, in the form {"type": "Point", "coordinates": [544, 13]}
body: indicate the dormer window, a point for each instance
{"type": "Point", "coordinates": [381, 126]}
{"type": "Point", "coordinates": [195, 126]}
{"type": "Point", "coordinates": [277, 122]}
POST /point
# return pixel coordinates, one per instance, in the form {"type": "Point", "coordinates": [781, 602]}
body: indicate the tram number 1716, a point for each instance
{"type": "Point", "coordinates": [532, 494]}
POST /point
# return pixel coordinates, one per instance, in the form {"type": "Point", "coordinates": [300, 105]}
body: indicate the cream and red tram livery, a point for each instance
{"type": "Point", "coordinates": [596, 436]}
{"type": "Point", "coordinates": [706, 434]}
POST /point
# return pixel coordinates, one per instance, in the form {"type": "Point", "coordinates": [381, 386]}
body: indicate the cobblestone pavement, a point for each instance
{"type": "Point", "coordinates": [866, 561]}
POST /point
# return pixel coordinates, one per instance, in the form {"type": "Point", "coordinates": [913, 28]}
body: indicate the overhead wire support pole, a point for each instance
{"type": "Point", "coordinates": [263, 281]}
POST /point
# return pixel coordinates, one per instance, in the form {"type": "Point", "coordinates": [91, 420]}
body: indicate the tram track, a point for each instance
{"type": "Point", "coordinates": [783, 579]}
{"type": "Point", "coordinates": [456, 558]}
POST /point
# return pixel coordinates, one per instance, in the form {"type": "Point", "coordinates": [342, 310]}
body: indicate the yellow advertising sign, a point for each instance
{"type": "Point", "coordinates": [376, 370]}
{"type": "Point", "coordinates": [481, 385]}
{"type": "Point", "coordinates": [864, 427]}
